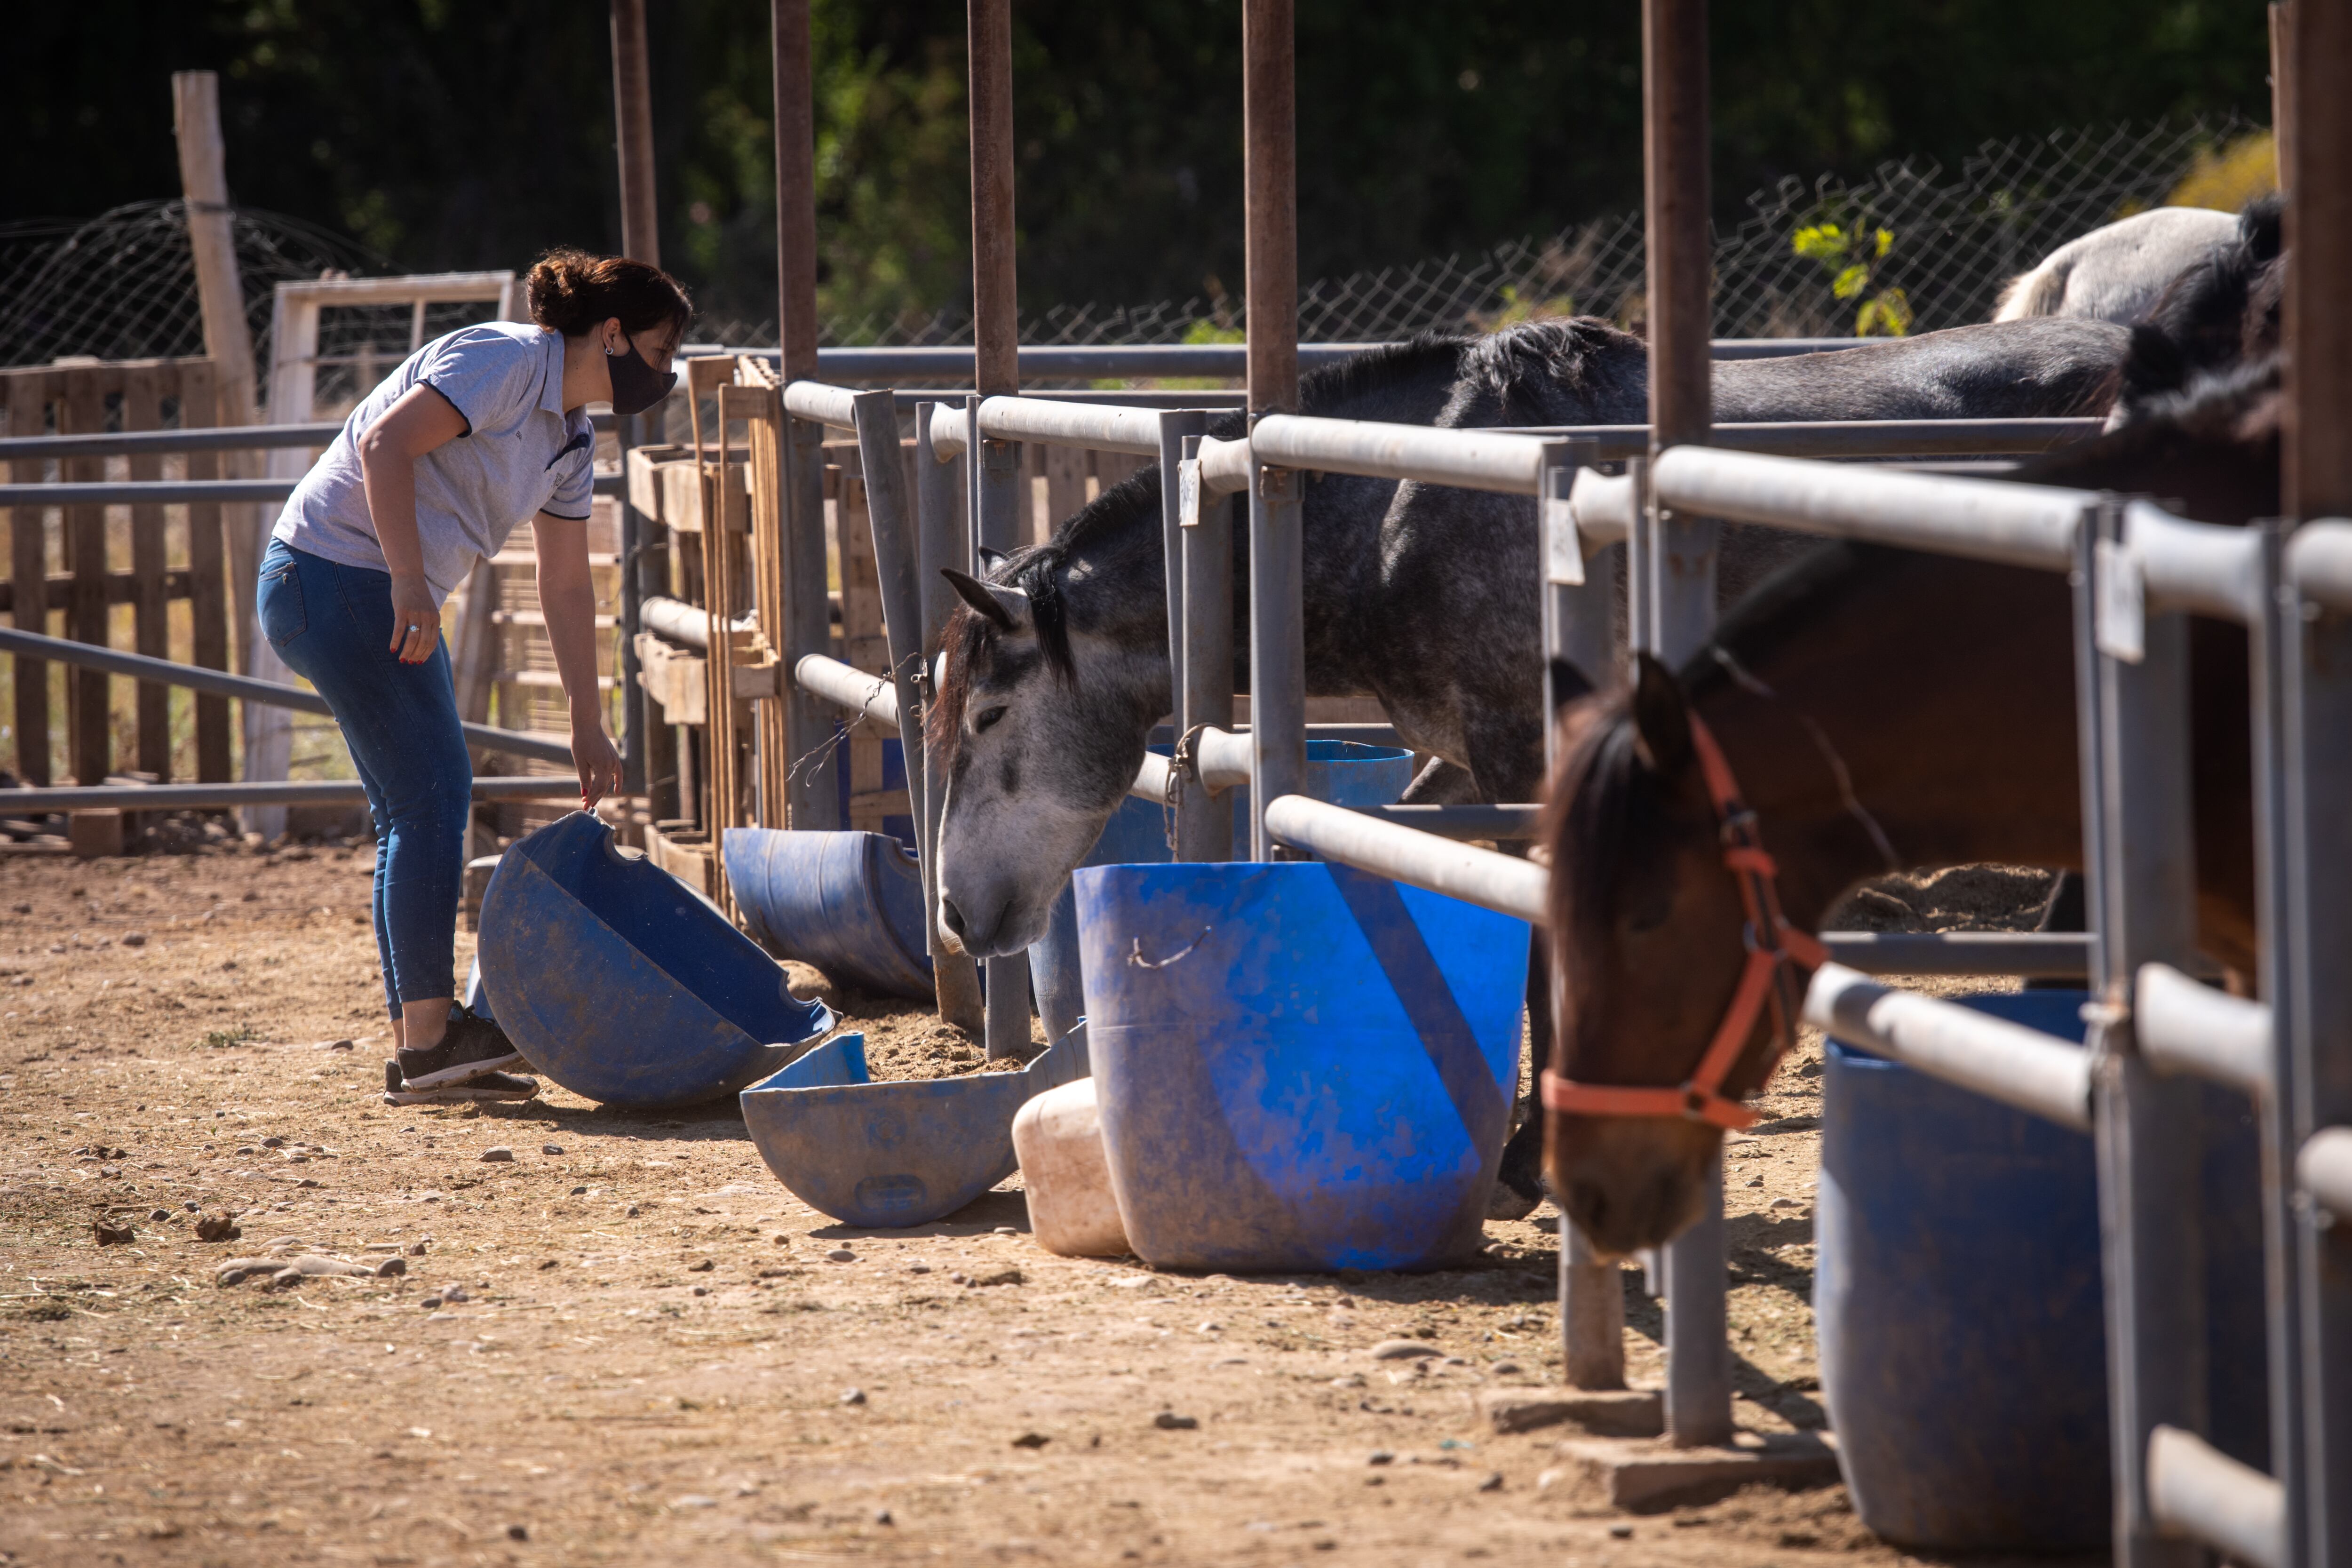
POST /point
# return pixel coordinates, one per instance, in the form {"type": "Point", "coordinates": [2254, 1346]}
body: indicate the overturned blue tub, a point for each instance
{"type": "Point", "coordinates": [894, 1155]}
{"type": "Point", "coordinates": [850, 903]}
{"type": "Point", "coordinates": [622, 985]}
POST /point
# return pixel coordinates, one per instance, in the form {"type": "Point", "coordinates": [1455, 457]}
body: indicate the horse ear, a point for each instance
{"type": "Point", "coordinates": [1008, 608]}
{"type": "Point", "coordinates": [1568, 684]}
{"type": "Point", "coordinates": [990, 560]}
{"type": "Point", "coordinates": [1662, 718]}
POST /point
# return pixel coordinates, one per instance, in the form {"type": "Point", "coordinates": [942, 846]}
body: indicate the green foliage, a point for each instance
{"type": "Point", "coordinates": [1849, 254]}
{"type": "Point", "coordinates": [458, 136]}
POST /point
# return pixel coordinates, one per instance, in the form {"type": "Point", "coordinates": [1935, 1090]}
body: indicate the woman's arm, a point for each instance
{"type": "Point", "coordinates": [567, 597]}
{"type": "Point", "coordinates": [422, 420]}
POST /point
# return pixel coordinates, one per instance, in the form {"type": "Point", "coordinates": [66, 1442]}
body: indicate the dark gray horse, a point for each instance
{"type": "Point", "coordinates": [1422, 595]}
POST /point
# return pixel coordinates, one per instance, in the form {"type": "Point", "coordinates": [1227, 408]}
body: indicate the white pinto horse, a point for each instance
{"type": "Point", "coordinates": [2116, 273]}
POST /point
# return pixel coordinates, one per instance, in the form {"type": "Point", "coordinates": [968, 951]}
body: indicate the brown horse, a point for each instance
{"type": "Point", "coordinates": [1946, 688]}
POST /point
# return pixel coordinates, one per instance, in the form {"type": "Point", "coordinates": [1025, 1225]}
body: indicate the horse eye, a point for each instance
{"type": "Point", "coordinates": [987, 720]}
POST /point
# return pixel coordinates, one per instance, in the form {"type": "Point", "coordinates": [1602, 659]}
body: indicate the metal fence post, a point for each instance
{"type": "Point", "coordinates": [940, 540]}
{"type": "Point", "coordinates": [1592, 1291]}
{"type": "Point", "coordinates": [1277, 648]}
{"type": "Point", "coordinates": [1175, 425]}
{"type": "Point", "coordinates": [1676, 591]}
{"type": "Point", "coordinates": [2318, 1013]}
{"type": "Point", "coordinates": [999, 497]}
{"type": "Point", "coordinates": [814, 796]}
{"type": "Point", "coordinates": [1205, 824]}
{"type": "Point", "coordinates": [2276, 634]}
{"type": "Point", "coordinates": [2139, 843]}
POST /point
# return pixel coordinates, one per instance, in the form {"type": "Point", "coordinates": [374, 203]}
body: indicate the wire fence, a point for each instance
{"type": "Point", "coordinates": [1912, 247]}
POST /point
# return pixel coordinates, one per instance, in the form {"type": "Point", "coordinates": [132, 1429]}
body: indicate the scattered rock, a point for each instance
{"type": "Point", "coordinates": [159, 1214]}
{"type": "Point", "coordinates": [1405, 1349]}
{"type": "Point", "coordinates": [430, 1303]}
{"type": "Point", "coordinates": [273, 1142]}
{"type": "Point", "coordinates": [854, 1396]}
{"type": "Point", "coordinates": [1620, 1533]}
{"type": "Point", "coordinates": [705, 1267]}
{"type": "Point", "coordinates": [517, 1532]}
{"type": "Point", "coordinates": [454, 1294]}
{"type": "Point", "coordinates": [1493, 1483]}
{"type": "Point", "coordinates": [693, 1499]}
{"type": "Point", "coordinates": [1380, 1456]}
{"type": "Point", "coordinates": [134, 939]}
{"type": "Point", "coordinates": [630, 1213]}
{"type": "Point", "coordinates": [882, 1516]}
{"type": "Point", "coordinates": [702, 1289]}
{"type": "Point", "coordinates": [113, 1234]}
{"type": "Point", "coordinates": [547, 1264]}
{"type": "Point", "coordinates": [918, 1269]}
{"type": "Point", "coordinates": [416, 1249]}
{"type": "Point", "coordinates": [550, 1148]}
{"type": "Point", "coordinates": [1211, 1326]}
{"type": "Point", "coordinates": [391, 1268]}
{"type": "Point", "coordinates": [841, 1255]}
{"type": "Point", "coordinates": [1551, 1479]}
{"type": "Point", "coordinates": [1002, 1276]}
{"type": "Point", "coordinates": [1030, 1440]}
{"type": "Point", "coordinates": [1008, 1230]}
{"type": "Point", "coordinates": [497, 1155]}
{"type": "Point", "coordinates": [579, 1192]}
{"type": "Point", "coordinates": [1169, 1421]}
{"type": "Point", "coordinates": [1353, 1379]}
{"type": "Point", "coordinates": [336, 1044]}
{"type": "Point", "coordinates": [1784, 1203]}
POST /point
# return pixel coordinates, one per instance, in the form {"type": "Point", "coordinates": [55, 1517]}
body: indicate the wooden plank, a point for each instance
{"type": "Point", "coordinates": [28, 549]}
{"type": "Point", "coordinates": [208, 593]}
{"type": "Point", "coordinates": [142, 409]}
{"type": "Point", "coordinates": [90, 740]}
{"type": "Point", "coordinates": [1111, 467]}
{"type": "Point", "coordinates": [121, 588]}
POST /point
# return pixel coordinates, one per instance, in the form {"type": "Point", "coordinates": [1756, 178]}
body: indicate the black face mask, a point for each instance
{"type": "Point", "coordinates": [637, 387]}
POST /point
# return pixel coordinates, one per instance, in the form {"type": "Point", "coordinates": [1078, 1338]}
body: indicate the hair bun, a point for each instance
{"type": "Point", "coordinates": [572, 292]}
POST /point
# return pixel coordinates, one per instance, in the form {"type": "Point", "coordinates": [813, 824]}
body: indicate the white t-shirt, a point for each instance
{"type": "Point", "coordinates": [521, 454]}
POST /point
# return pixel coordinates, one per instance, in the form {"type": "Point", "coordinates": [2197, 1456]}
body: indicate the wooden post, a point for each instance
{"type": "Point", "coordinates": [633, 126]}
{"type": "Point", "coordinates": [142, 399]}
{"type": "Point", "coordinates": [2282, 88]}
{"type": "Point", "coordinates": [1278, 644]}
{"type": "Point", "coordinates": [28, 543]}
{"type": "Point", "coordinates": [999, 482]}
{"type": "Point", "coordinates": [995, 305]}
{"type": "Point", "coordinates": [815, 801]}
{"type": "Point", "coordinates": [228, 342]}
{"type": "Point", "coordinates": [2317, 480]}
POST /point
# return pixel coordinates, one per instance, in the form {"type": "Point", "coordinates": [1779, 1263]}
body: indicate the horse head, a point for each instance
{"type": "Point", "coordinates": [1043, 712]}
{"type": "Point", "coordinates": [1648, 939]}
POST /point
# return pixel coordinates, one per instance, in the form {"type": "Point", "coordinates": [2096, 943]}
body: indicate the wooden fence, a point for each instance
{"type": "Point", "coordinates": [79, 577]}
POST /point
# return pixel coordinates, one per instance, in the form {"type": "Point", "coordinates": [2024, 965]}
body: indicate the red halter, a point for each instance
{"type": "Point", "coordinates": [1776, 950]}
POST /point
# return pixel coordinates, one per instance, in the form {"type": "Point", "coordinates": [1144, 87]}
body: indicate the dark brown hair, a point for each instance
{"type": "Point", "coordinates": [572, 292]}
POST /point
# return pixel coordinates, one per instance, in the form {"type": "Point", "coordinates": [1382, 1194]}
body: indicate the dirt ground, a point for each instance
{"type": "Point", "coordinates": [657, 1353]}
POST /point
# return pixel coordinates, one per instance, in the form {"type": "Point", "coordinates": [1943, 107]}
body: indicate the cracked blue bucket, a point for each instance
{"type": "Point", "coordinates": [624, 985]}
{"type": "Point", "coordinates": [895, 1155]}
{"type": "Point", "coordinates": [1298, 1066]}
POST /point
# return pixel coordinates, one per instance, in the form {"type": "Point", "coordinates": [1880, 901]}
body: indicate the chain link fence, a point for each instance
{"type": "Point", "coordinates": [1914, 247]}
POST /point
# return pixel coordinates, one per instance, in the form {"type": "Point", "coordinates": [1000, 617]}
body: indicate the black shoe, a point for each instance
{"type": "Point", "coordinates": [472, 1047]}
{"type": "Point", "coordinates": [489, 1087]}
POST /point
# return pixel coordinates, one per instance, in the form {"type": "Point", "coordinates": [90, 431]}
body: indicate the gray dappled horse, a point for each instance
{"type": "Point", "coordinates": [1422, 595]}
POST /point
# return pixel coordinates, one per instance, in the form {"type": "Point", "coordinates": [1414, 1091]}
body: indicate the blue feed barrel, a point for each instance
{"type": "Point", "coordinates": [1345, 773]}
{"type": "Point", "coordinates": [622, 985]}
{"type": "Point", "coordinates": [1960, 1311]}
{"type": "Point", "coordinates": [1298, 1066]}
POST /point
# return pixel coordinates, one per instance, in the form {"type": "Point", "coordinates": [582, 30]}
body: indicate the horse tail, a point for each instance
{"type": "Point", "coordinates": [2036, 293]}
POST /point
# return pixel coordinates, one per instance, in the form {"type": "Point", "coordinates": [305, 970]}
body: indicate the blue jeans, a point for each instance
{"type": "Point", "coordinates": [332, 625]}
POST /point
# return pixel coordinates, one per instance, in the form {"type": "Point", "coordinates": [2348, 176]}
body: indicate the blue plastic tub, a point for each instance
{"type": "Point", "coordinates": [1298, 1066]}
{"type": "Point", "coordinates": [1960, 1311]}
{"type": "Point", "coordinates": [850, 903]}
{"type": "Point", "coordinates": [622, 985]}
{"type": "Point", "coordinates": [1345, 773]}
{"type": "Point", "coordinates": [894, 1155]}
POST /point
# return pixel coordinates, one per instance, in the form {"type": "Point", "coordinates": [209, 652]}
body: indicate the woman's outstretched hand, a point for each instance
{"type": "Point", "coordinates": [415, 619]}
{"type": "Point", "coordinates": [599, 763]}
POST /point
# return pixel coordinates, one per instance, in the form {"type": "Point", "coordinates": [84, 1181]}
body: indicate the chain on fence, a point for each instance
{"type": "Point", "coordinates": [1911, 248]}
